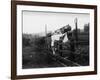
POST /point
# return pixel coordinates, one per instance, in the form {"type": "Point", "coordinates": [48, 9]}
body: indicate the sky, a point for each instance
{"type": "Point", "coordinates": [35, 22]}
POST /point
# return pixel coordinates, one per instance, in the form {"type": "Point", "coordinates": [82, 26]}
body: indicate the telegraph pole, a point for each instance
{"type": "Point", "coordinates": [76, 32]}
{"type": "Point", "coordinates": [45, 29]}
{"type": "Point", "coordinates": [46, 37]}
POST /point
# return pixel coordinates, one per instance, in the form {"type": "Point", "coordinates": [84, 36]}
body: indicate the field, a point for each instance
{"type": "Point", "coordinates": [35, 55]}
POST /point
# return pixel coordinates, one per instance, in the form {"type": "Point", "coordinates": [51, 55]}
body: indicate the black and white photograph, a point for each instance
{"type": "Point", "coordinates": [55, 39]}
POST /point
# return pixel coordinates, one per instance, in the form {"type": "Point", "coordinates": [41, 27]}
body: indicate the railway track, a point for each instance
{"type": "Point", "coordinates": [63, 61]}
